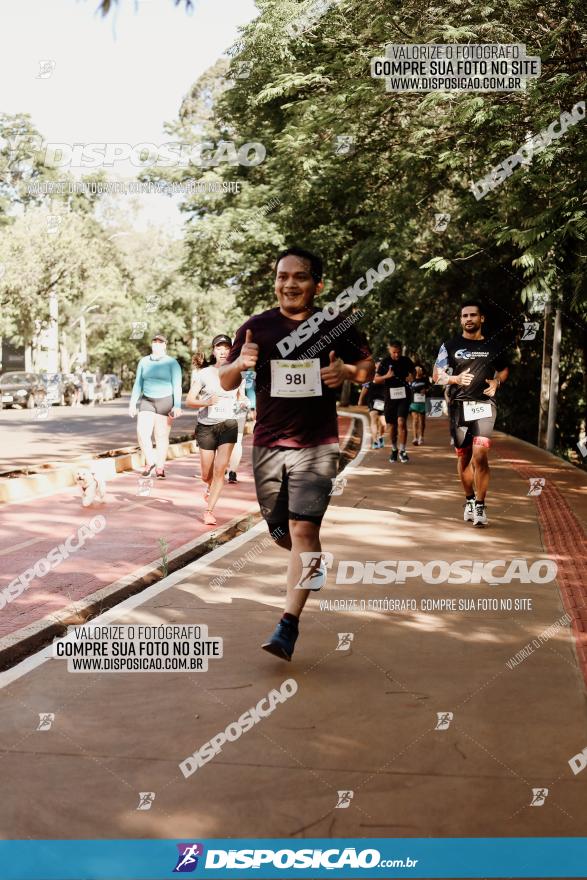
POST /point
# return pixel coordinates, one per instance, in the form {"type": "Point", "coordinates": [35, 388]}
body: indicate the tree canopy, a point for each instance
{"type": "Point", "coordinates": [412, 156]}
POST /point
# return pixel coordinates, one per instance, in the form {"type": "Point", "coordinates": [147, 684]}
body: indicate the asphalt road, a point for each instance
{"type": "Point", "coordinates": [68, 431]}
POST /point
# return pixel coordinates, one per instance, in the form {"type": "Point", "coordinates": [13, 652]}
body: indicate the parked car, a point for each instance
{"type": "Point", "coordinates": [112, 381]}
{"type": "Point", "coordinates": [60, 389]}
{"type": "Point", "coordinates": [21, 389]}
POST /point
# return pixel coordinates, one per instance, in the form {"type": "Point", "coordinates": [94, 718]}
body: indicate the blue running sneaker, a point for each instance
{"type": "Point", "coordinates": [283, 640]}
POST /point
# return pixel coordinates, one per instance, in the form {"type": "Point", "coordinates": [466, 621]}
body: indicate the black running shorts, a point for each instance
{"type": "Point", "coordinates": [396, 409]}
{"type": "Point", "coordinates": [213, 436]}
{"type": "Point", "coordinates": [478, 431]}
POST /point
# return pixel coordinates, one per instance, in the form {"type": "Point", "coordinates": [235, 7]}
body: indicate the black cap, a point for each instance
{"type": "Point", "coordinates": [220, 339]}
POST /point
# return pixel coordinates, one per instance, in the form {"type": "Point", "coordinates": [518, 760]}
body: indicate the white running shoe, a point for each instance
{"type": "Point", "coordinates": [469, 513]}
{"type": "Point", "coordinates": [480, 516]}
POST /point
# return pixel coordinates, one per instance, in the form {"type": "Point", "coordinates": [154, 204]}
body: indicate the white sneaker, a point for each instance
{"type": "Point", "coordinates": [480, 516]}
{"type": "Point", "coordinates": [469, 513]}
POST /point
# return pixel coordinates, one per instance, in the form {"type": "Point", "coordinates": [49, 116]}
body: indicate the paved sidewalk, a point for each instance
{"type": "Point", "coordinates": [363, 720]}
{"type": "Point", "coordinates": [138, 530]}
{"type": "Point", "coordinates": [135, 525]}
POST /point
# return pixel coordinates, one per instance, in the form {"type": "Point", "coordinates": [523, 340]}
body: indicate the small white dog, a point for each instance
{"type": "Point", "coordinates": [92, 486]}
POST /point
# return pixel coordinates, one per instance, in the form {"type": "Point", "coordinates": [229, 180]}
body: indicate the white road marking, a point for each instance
{"type": "Point", "coordinates": [23, 545]}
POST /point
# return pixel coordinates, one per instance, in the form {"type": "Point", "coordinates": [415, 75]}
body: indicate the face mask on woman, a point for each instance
{"type": "Point", "coordinates": [158, 349]}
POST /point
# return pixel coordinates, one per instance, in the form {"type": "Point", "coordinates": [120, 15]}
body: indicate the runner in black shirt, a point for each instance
{"type": "Point", "coordinates": [419, 388]}
{"type": "Point", "coordinates": [295, 443]}
{"type": "Point", "coordinates": [395, 373]}
{"type": "Point", "coordinates": [373, 396]}
{"type": "Point", "coordinates": [473, 367]}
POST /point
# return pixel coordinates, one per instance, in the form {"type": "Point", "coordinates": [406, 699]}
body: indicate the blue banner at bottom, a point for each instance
{"type": "Point", "coordinates": [367, 858]}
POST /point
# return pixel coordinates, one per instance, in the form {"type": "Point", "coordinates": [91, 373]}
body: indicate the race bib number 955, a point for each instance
{"type": "Point", "coordinates": [473, 411]}
{"type": "Point", "coordinates": [296, 378]}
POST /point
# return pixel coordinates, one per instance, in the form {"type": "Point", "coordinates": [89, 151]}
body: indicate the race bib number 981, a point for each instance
{"type": "Point", "coordinates": [296, 378]}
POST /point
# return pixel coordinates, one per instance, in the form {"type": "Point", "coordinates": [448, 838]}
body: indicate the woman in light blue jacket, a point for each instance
{"type": "Point", "coordinates": [156, 397]}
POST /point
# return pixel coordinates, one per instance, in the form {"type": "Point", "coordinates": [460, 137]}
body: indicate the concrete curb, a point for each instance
{"type": "Point", "coordinates": [19, 644]}
{"type": "Point", "coordinates": [56, 476]}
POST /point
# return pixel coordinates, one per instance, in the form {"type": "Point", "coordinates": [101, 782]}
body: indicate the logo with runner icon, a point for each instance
{"type": "Point", "coordinates": [441, 222]}
{"type": "Point", "coordinates": [46, 719]}
{"type": "Point", "coordinates": [146, 799]}
{"type": "Point", "coordinates": [344, 145]}
{"type": "Point", "coordinates": [138, 329]}
{"type": "Point", "coordinates": [314, 569]}
{"type": "Point", "coordinates": [444, 719]}
{"type": "Point", "coordinates": [436, 408]}
{"type": "Point", "coordinates": [344, 800]}
{"type": "Point", "coordinates": [338, 485]}
{"type": "Point", "coordinates": [530, 330]}
{"type": "Point", "coordinates": [539, 795]}
{"type": "Point", "coordinates": [187, 860]}
{"type": "Point", "coordinates": [536, 485]}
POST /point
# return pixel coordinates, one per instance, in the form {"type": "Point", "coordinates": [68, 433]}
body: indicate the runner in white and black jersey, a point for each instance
{"type": "Point", "coordinates": [217, 428]}
{"type": "Point", "coordinates": [473, 367]}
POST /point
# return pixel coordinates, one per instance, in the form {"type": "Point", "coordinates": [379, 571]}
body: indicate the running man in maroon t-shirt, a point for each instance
{"type": "Point", "coordinates": [295, 442]}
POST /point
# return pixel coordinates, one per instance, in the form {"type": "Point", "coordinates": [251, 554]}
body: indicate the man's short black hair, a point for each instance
{"type": "Point", "coordinates": [315, 261]}
{"type": "Point", "coordinates": [394, 343]}
{"type": "Point", "coordinates": [472, 302]}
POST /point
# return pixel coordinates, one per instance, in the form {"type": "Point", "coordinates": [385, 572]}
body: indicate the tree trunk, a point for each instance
{"type": "Point", "coordinates": [554, 373]}
{"type": "Point", "coordinates": [65, 355]}
{"type": "Point", "coordinates": [545, 377]}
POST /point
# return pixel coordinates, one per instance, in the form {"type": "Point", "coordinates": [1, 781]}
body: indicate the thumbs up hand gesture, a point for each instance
{"type": "Point", "coordinates": [335, 373]}
{"type": "Point", "coordinates": [249, 353]}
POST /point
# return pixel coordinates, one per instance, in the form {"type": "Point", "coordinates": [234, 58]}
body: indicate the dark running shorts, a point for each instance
{"type": "Point", "coordinates": [213, 436]}
{"type": "Point", "coordinates": [396, 409]}
{"type": "Point", "coordinates": [477, 432]}
{"type": "Point", "coordinates": [160, 405]}
{"type": "Point", "coordinates": [294, 483]}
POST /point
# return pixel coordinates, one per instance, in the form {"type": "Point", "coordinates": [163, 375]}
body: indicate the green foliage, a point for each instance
{"type": "Point", "coordinates": [415, 155]}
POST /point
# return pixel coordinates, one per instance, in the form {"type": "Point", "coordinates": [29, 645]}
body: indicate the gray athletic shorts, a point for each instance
{"type": "Point", "coordinates": [160, 405]}
{"type": "Point", "coordinates": [294, 483]}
